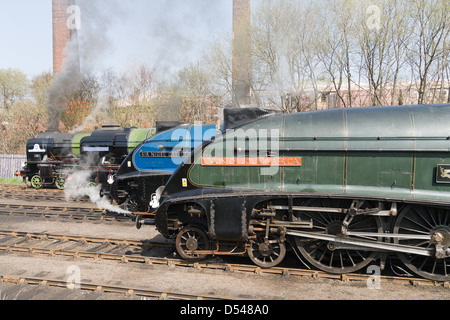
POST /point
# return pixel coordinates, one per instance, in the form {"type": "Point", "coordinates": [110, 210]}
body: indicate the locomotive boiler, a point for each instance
{"type": "Point", "coordinates": [103, 151]}
{"type": "Point", "coordinates": [344, 188]}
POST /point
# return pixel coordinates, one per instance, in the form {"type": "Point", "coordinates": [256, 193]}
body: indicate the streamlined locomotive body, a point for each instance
{"type": "Point", "coordinates": [342, 187]}
{"type": "Point", "coordinates": [152, 163]}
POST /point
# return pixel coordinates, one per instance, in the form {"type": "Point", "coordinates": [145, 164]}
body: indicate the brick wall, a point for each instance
{"type": "Point", "coordinates": [61, 33]}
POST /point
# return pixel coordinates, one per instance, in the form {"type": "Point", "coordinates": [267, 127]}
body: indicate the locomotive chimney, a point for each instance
{"type": "Point", "coordinates": [242, 57]}
{"type": "Point", "coordinates": [62, 33]}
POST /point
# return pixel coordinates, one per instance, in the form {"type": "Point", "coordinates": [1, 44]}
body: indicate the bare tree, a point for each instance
{"type": "Point", "coordinates": [431, 30]}
{"type": "Point", "coordinates": [284, 36]}
{"type": "Point", "coordinates": [401, 38]}
{"type": "Point", "coordinates": [446, 66]}
{"type": "Point", "coordinates": [382, 45]}
{"type": "Point", "coordinates": [197, 96]}
{"type": "Point", "coordinates": [336, 49]}
{"type": "Point", "coordinates": [132, 97]}
{"type": "Point", "coordinates": [220, 66]}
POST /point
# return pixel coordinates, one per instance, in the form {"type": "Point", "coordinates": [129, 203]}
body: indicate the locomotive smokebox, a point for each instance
{"type": "Point", "coordinates": [50, 144]}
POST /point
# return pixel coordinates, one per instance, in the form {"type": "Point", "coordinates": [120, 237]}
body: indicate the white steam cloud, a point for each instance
{"type": "Point", "coordinates": [76, 187]}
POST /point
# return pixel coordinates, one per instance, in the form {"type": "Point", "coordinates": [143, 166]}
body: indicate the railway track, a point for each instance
{"type": "Point", "coordinates": [104, 288]}
{"type": "Point", "coordinates": [61, 212]}
{"type": "Point", "coordinates": [132, 251]}
{"type": "Point", "coordinates": [24, 195]}
{"type": "Point", "coordinates": [21, 192]}
{"type": "Point", "coordinates": [49, 206]}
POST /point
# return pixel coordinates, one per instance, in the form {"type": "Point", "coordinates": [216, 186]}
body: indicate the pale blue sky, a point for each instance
{"type": "Point", "coordinates": [168, 33]}
{"type": "Point", "coordinates": [25, 35]}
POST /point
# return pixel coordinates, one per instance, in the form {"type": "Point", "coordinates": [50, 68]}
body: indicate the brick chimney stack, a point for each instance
{"type": "Point", "coordinates": [242, 53]}
{"type": "Point", "coordinates": [61, 32]}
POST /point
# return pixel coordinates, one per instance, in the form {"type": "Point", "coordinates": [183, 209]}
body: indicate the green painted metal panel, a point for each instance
{"type": "Point", "coordinates": [246, 142]}
{"type": "Point", "coordinates": [139, 135]}
{"type": "Point", "coordinates": [389, 151]}
{"type": "Point", "coordinates": [404, 128]}
{"type": "Point", "coordinates": [320, 172]}
{"type": "Point", "coordinates": [386, 172]}
{"type": "Point", "coordinates": [76, 142]}
{"type": "Point", "coordinates": [425, 184]}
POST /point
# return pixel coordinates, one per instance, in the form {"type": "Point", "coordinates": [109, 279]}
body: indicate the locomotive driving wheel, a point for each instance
{"type": "Point", "coordinates": [37, 182]}
{"type": "Point", "coordinates": [189, 240]}
{"type": "Point", "coordinates": [435, 222]}
{"type": "Point", "coordinates": [267, 253]}
{"type": "Point", "coordinates": [328, 256]}
{"type": "Point", "coordinates": [59, 183]}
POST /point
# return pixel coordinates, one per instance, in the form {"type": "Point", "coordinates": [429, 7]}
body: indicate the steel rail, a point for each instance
{"type": "Point", "coordinates": [83, 239]}
{"type": "Point", "coordinates": [64, 212]}
{"type": "Point", "coordinates": [171, 262]}
{"type": "Point", "coordinates": [24, 195]}
{"type": "Point", "coordinates": [102, 288]}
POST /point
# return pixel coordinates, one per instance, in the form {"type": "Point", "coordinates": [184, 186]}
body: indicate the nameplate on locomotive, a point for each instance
{"type": "Point", "coordinates": [257, 162]}
{"type": "Point", "coordinates": [443, 173]}
{"type": "Point", "coordinates": [95, 149]}
{"type": "Point", "coordinates": [159, 154]}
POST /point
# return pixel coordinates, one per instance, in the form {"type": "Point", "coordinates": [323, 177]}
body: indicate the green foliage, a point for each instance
{"type": "Point", "coordinates": [10, 181]}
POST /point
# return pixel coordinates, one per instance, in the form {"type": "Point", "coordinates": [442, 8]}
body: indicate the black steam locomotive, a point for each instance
{"type": "Point", "coordinates": [48, 154]}
{"type": "Point", "coordinates": [52, 156]}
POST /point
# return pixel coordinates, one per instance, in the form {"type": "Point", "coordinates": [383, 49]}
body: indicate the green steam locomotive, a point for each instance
{"type": "Point", "coordinates": [343, 188]}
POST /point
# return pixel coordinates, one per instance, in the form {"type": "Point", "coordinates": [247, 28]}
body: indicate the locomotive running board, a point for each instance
{"type": "Point", "coordinates": [359, 243]}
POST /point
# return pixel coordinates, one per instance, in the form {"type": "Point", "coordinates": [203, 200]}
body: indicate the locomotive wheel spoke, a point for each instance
{"type": "Point", "coordinates": [430, 221]}
{"type": "Point", "coordinates": [36, 182]}
{"type": "Point", "coordinates": [191, 239]}
{"type": "Point", "coordinates": [59, 183]}
{"type": "Point", "coordinates": [322, 254]}
{"type": "Point", "coordinates": [267, 254]}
